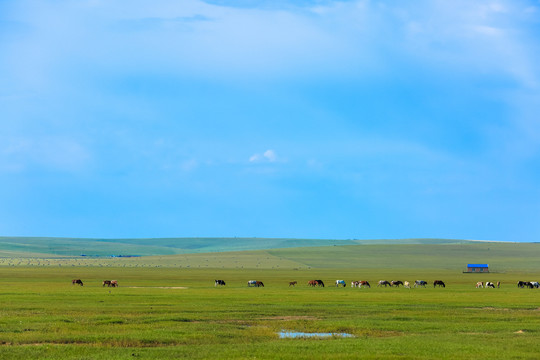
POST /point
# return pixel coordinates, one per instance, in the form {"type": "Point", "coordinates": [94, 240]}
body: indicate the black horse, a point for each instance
{"type": "Point", "coordinates": [438, 282]}
{"type": "Point", "coordinates": [219, 282]}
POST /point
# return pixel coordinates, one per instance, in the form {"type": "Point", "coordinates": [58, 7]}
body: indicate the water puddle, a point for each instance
{"type": "Point", "coordinates": [295, 334]}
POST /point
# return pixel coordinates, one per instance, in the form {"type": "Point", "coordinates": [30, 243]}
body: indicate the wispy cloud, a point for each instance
{"type": "Point", "coordinates": [267, 156]}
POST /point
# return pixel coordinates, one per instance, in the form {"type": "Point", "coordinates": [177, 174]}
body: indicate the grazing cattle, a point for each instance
{"type": "Point", "coordinates": [293, 283]}
{"type": "Point", "coordinates": [407, 284]}
{"type": "Point", "coordinates": [396, 283]}
{"type": "Point", "coordinates": [219, 282]}
{"type": "Point", "coordinates": [340, 283]}
{"type": "Point", "coordinates": [439, 282]}
{"type": "Point", "coordinates": [364, 283]}
{"type": "Point", "coordinates": [420, 283]}
{"type": "Point", "coordinates": [489, 284]}
{"type": "Point", "coordinates": [479, 284]}
{"type": "Point", "coordinates": [107, 282]}
{"type": "Point", "coordinates": [77, 281]}
{"type": "Point", "coordinates": [383, 283]}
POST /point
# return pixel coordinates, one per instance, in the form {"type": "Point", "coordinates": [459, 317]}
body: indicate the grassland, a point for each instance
{"type": "Point", "coordinates": [66, 247]}
{"type": "Point", "coordinates": [167, 306]}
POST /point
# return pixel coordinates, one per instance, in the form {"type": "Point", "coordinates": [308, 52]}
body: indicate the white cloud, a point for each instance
{"type": "Point", "coordinates": [268, 156]}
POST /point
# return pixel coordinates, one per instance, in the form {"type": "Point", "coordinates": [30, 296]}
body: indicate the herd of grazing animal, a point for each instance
{"type": "Point", "coordinates": [357, 284]}
{"type": "Point", "coordinates": [528, 284]}
{"type": "Point", "coordinates": [109, 283]}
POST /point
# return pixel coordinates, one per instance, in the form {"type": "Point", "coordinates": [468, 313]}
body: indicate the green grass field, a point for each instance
{"type": "Point", "coordinates": [167, 306]}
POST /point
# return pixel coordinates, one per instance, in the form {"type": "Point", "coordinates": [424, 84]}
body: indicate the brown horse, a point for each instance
{"type": "Point", "coordinates": [315, 283]}
{"type": "Point", "coordinates": [110, 283]}
{"type": "Point", "coordinates": [293, 283]}
{"type": "Point", "coordinates": [259, 284]}
{"type": "Point", "coordinates": [396, 283]}
{"type": "Point", "coordinates": [364, 283]}
{"type": "Point", "coordinates": [76, 281]}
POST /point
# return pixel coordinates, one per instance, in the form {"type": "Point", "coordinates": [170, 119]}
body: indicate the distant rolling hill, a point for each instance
{"type": "Point", "coordinates": [52, 246]}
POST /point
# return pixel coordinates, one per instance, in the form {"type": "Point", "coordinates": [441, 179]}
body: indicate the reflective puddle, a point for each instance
{"type": "Point", "coordinates": [295, 334]}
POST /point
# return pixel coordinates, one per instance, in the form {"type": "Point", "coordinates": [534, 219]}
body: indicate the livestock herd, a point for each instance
{"type": "Point", "coordinates": [109, 283]}
{"type": "Point", "coordinates": [354, 284]}
{"type": "Point", "coordinates": [342, 283]}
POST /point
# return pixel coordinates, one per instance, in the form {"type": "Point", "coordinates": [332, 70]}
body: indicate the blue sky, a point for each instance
{"type": "Point", "coordinates": [308, 119]}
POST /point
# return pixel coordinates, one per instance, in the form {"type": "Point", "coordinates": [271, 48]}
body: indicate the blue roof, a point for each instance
{"type": "Point", "coordinates": [478, 265]}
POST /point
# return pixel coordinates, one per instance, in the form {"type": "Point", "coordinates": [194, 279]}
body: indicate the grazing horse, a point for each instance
{"type": "Point", "coordinates": [114, 283]}
{"type": "Point", "coordinates": [76, 281]}
{"type": "Point", "coordinates": [523, 284]}
{"type": "Point", "coordinates": [340, 283]}
{"type": "Point", "coordinates": [312, 283]}
{"type": "Point", "coordinates": [383, 283]}
{"type": "Point", "coordinates": [498, 284]}
{"type": "Point", "coordinates": [355, 284]}
{"type": "Point", "coordinates": [420, 283]}
{"type": "Point", "coordinates": [219, 282]}
{"type": "Point", "coordinates": [396, 283]}
{"type": "Point", "coordinates": [364, 283]}
{"type": "Point", "coordinates": [252, 283]}
{"type": "Point", "coordinates": [107, 282]}
{"type": "Point", "coordinates": [407, 285]}
{"type": "Point", "coordinates": [439, 282]}
{"type": "Point", "coordinates": [320, 283]}
{"type": "Point", "coordinates": [479, 284]}
{"type": "Point", "coordinates": [535, 284]}
{"type": "Point", "coordinates": [489, 284]}
{"type": "Point", "coordinates": [259, 284]}
{"type": "Point", "coordinates": [293, 283]}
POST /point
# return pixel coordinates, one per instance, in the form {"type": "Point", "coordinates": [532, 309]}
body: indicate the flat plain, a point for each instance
{"type": "Point", "coordinates": [168, 307]}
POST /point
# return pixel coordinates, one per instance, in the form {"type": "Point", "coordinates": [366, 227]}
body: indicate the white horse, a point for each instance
{"type": "Point", "coordinates": [407, 284]}
{"type": "Point", "coordinates": [480, 284]}
{"type": "Point", "coordinates": [340, 283]}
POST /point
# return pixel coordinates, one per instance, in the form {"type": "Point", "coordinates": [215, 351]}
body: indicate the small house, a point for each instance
{"type": "Point", "coordinates": [482, 268]}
